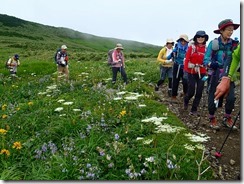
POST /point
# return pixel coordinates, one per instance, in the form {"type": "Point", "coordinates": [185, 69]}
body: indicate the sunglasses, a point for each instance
{"type": "Point", "coordinates": [198, 36]}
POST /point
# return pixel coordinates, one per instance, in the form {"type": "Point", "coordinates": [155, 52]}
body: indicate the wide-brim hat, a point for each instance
{"type": "Point", "coordinates": [225, 23]}
{"type": "Point", "coordinates": [64, 47]}
{"type": "Point", "coordinates": [184, 37]}
{"type": "Point", "coordinates": [119, 46]}
{"type": "Point", "coordinates": [170, 40]}
{"type": "Point", "coordinates": [200, 33]}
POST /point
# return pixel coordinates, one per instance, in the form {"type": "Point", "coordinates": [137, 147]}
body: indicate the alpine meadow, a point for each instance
{"type": "Point", "coordinates": [87, 128]}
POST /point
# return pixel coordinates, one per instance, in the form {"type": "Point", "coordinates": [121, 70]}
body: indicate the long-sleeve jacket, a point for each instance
{"type": "Point", "coordinates": [223, 55]}
{"type": "Point", "coordinates": [179, 53]}
{"type": "Point", "coordinates": [236, 58]}
{"type": "Point", "coordinates": [194, 59]}
{"type": "Point", "coordinates": [118, 59]}
{"type": "Point", "coordinates": [162, 57]}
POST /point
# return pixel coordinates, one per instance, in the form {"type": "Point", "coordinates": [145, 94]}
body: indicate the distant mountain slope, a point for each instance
{"type": "Point", "coordinates": [17, 34]}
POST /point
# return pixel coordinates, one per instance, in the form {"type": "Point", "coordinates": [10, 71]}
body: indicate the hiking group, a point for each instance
{"type": "Point", "coordinates": [193, 62]}
{"type": "Point", "coordinates": [190, 62]}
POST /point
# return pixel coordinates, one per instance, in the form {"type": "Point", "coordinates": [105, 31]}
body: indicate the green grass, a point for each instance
{"type": "Point", "coordinates": [70, 145]}
{"type": "Point", "coordinates": [97, 136]}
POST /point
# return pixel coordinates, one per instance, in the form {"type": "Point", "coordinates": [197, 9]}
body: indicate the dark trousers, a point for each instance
{"type": "Point", "coordinates": [176, 80]}
{"type": "Point", "coordinates": [195, 87]}
{"type": "Point", "coordinates": [115, 70]}
{"type": "Point", "coordinates": [230, 99]}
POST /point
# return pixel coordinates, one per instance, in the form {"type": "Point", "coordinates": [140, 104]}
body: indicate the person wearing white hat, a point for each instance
{"type": "Point", "coordinates": [165, 65]}
{"type": "Point", "coordinates": [13, 64]}
{"type": "Point", "coordinates": [178, 56]}
{"type": "Point", "coordinates": [62, 63]}
{"type": "Point", "coordinates": [118, 63]}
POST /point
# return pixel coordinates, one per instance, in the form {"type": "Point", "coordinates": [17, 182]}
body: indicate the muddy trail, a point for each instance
{"type": "Point", "coordinates": [227, 166]}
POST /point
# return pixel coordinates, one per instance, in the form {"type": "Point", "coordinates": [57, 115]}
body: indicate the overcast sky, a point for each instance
{"type": "Point", "coordinates": [149, 21]}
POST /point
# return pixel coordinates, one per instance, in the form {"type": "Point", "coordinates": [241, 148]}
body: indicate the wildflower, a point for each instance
{"type": "Point", "coordinates": [170, 165]}
{"type": "Point", "coordinates": [150, 159]}
{"type": "Point", "coordinates": [121, 93]}
{"type": "Point", "coordinates": [76, 110]}
{"type": "Point", "coordinates": [68, 103]}
{"type": "Point", "coordinates": [30, 103]}
{"type": "Point", "coordinates": [3, 131]}
{"type": "Point", "coordinates": [4, 107]}
{"type": "Point", "coordinates": [139, 73]}
{"type": "Point", "coordinates": [4, 151]}
{"type": "Point", "coordinates": [142, 105]}
{"type": "Point", "coordinates": [108, 157]}
{"type": "Point", "coordinates": [111, 165]}
{"type": "Point", "coordinates": [195, 138]}
{"type": "Point", "coordinates": [139, 138]}
{"type": "Point", "coordinates": [58, 109]}
{"type": "Point", "coordinates": [148, 141]}
{"type": "Point", "coordinates": [17, 145]}
{"type": "Point", "coordinates": [18, 108]}
{"type": "Point", "coordinates": [116, 136]}
{"type": "Point", "coordinates": [61, 100]}
{"type": "Point", "coordinates": [4, 116]}
{"type": "Point", "coordinates": [189, 147]}
{"type": "Point", "coordinates": [123, 112]}
{"type": "Point", "coordinates": [117, 98]}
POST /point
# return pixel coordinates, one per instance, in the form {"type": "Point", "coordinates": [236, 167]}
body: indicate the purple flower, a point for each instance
{"type": "Point", "coordinates": [116, 136]}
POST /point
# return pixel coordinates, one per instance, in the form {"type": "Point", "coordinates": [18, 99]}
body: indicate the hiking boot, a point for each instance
{"type": "Point", "coordinates": [227, 122]}
{"type": "Point", "coordinates": [156, 88]}
{"type": "Point", "coordinates": [174, 99]}
{"type": "Point", "coordinates": [194, 113]}
{"type": "Point", "coordinates": [213, 124]}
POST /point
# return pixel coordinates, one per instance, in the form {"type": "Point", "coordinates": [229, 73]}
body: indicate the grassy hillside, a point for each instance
{"type": "Point", "coordinates": [88, 129]}
{"type": "Point", "coordinates": [33, 40]}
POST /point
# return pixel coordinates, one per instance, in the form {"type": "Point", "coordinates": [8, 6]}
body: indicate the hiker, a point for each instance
{"type": "Point", "coordinates": [13, 64]}
{"type": "Point", "coordinates": [178, 56]}
{"type": "Point", "coordinates": [165, 65]}
{"type": "Point", "coordinates": [195, 70]}
{"type": "Point", "coordinates": [118, 63]}
{"type": "Point", "coordinates": [224, 85]}
{"type": "Point", "coordinates": [218, 58]}
{"type": "Point", "coordinates": [62, 63]}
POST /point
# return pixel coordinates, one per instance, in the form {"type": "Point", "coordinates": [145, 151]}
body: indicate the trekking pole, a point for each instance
{"type": "Point", "coordinates": [218, 154]}
{"type": "Point", "coordinates": [178, 70]}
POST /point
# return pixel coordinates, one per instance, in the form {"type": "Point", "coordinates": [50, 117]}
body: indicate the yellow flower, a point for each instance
{"type": "Point", "coordinates": [4, 116]}
{"type": "Point", "coordinates": [123, 112]}
{"type": "Point", "coordinates": [18, 108]}
{"type": "Point", "coordinates": [4, 107]}
{"type": "Point", "coordinates": [3, 131]}
{"type": "Point", "coordinates": [30, 103]}
{"type": "Point", "coordinates": [17, 145]}
{"type": "Point", "coordinates": [4, 151]}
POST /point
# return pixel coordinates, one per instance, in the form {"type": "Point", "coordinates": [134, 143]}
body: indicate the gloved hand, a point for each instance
{"type": "Point", "coordinates": [222, 88]}
{"type": "Point", "coordinates": [214, 65]}
{"type": "Point", "coordinates": [168, 61]}
{"type": "Point", "coordinates": [119, 60]}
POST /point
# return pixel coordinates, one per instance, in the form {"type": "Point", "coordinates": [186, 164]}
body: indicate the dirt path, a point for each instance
{"type": "Point", "coordinates": [226, 167]}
